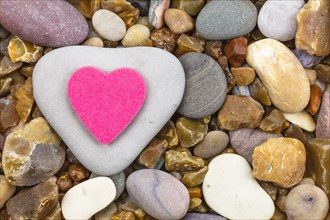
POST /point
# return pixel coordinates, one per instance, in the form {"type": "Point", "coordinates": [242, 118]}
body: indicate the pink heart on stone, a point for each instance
{"type": "Point", "coordinates": [106, 102]}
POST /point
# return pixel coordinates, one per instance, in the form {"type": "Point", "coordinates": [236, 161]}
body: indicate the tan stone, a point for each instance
{"type": "Point", "coordinates": [6, 191]}
{"type": "Point", "coordinates": [20, 50]}
{"type": "Point", "coordinates": [243, 75]}
{"type": "Point", "coordinates": [311, 74]}
{"type": "Point", "coordinates": [190, 131]}
{"type": "Point", "coordinates": [169, 133]}
{"type": "Point", "coordinates": [192, 179]}
{"type": "Point", "coordinates": [151, 155]}
{"type": "Point", "coordinates": [279, 160]}
{"type": "Point", "coordinates": [194, 203]}
{"type": "Point", "coordinates": [178, 21]}
{"type": "Point", "coordinates": [93, 41]}
{"type": "Point", "coordinates": [195, 192]}
{"type": "Point", "coordinates": [137, 35]}
{"type": "Point", "coordinates": [281, 73]}
{"type": "Point", "coordinates": [25, 100]}
{"type": "Point", "coordinates": [313, 32]}
{"type": "Point", "coordinates": [182, 161]}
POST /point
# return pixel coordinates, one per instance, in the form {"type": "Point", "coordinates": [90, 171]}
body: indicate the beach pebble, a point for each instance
{"type": "Point", "coordinates": [142, 5]}
{"type": "Point", "coordinates": [280, 160]}
{"type": "Point", "coordinates": [306, 59]}
{"type": "Point", "coordinates": [137, 35]}
{"type": "Point", "coordinates": [277, 19]}
{"type": "Point", "coordinates": [178, 21]}
{"type": "Point", "coordinates": [206, 85]}
{"type": "Point", "coordinates": [182, 161]}
{"type": "Point", "coordinates": [50, 83]}
{"type": "Point", "coordinates": [190, 131]}
{"type": "Point", "coordinates": [306, 202]}
{"type": "Point", "coordinates": [230, 190]}
{"type": "Point", "coordinates": [302, 119]}
{"type": "Point", "coordinates": [45, 23]}
{"type": "Point", "coordinates": [280, 70]}
{"type": "Point", "coordinates": [156, 12]}
{"type": "Point", "coordinates": [202, 216]}
{"type": "Point", "coordinates": [6, 192]}
{"type": "Point", "coordinates": [93, 41]}
{"type": "Point", "coordinates": [244, 140]}
{"type": "Point", "coordinates": [118, 179]}
{"type": "Point", "coordinates": [109, 25]}
{"type": "Point", "coordinates": [87, 198]}
{"type": "Point", "coordinates": [235, 51]}
{"type": "Point", "coordinates": [223, 20]}
{"type": "Point", "coordinates": [213, 144]}
{"type": "Point", "coordinates": [158, 193]}
{"type": "Point", "coordinates": [323, 120]}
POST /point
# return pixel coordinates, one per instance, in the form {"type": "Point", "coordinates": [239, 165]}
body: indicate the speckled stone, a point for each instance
{"type": "Point", "coordinates": [206, 86]}
{"type": "Point", "coordinates": [244, 140]}
{"type": "Point", "coordinates": [222, 19]}
{"type": "Point", "coordinates": [323, 120]}
{"type": "Point", "coordinates": [156, 12]}
{"type": "Point", "coordinates": [158, 193]}
{"type": "Point", "coordinates": [45, 23]}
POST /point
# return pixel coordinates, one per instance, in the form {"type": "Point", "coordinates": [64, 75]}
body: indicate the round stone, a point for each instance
{"type": "Point", "coordinates": [109, 25]}
{"type": "Point", "coordinates": [178, 21]}
{"type": "Point", "coordinates": [277, 19]}
{"type": "Point", "coordinates": [93, 41]}
{"type": "Point", "coordinates": [136, 35]}
{"type": "Point", "coordinates": [230, 190]}
{"type": "Point", "coordinates": [223, 20]}
{"type": "Point", "coordinates": [302, 119]}
{"type": "Point", "coordinates": [158, 193]}
{"type": "Point", "coordinates": [206, 85]}
{"type": "Point", "coordinates": [213, 144]}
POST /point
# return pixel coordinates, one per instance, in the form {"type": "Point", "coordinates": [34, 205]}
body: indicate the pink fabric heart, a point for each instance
{"type": "Point", "coordinates": [106, 102]}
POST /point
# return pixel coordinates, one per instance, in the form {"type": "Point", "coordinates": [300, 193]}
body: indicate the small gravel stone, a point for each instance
{"type": "Point", "coordinates": [6, 192]}
{"type": "Point", "coordinates": [156, 12]}
{"type": "Point", "coordinates": [182, 161]}
{"type": "Point", "coordinates": [165, 39]}
{"type": "Point", "coordinates": [306, 59]}
{"type": "Point", "coordinates": [178, 21]}
{"type": "Point", "coordinates": [235, 51]}
{"type": "Point", "coordinates": [93, 41]}
{"type": "Point", "coordinates": [323, 120]}
{"type": "Point", "coordinates": [137, 35]}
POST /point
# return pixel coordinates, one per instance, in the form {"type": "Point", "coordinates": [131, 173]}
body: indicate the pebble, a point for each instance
{"type": "Point", "coordinates": [144, 20]}
{"type": "Point", "coordinates": [279, 70]}
{"type": "Point", "coordinates": [213, 144]}
{"type": "Point", "coordinates": [142, 5]}
{"type": "Point", "coordinates": [87, 198]}
{"type": "Point", "coordinates": [118, 179]}
{"type": "Point", "coordinates": [302, 119]}
{"type": "Point", "coordinates": [206, 85]}
{"type": "Point", "coordinates": [241, 90]}
{"type": "Point", "coordinates": [6, 192]}
{"type": "Point", "coordinates": [156, 12]}
{"type": "Point", "coordinates": [9, 117]}
{"type": "Point", "coordinates": [223, 20]}
{"type": "Point", "coordinates": [323, 120]}
{"type": "Point", "coordinates": [34, 203]}
{"type": "Point", "coordinates": [275, 122]}
{"type": "Point", "coordinates": [25, 100]}
{"type": "Point", "coordinates": [32, 154]}
{"type": "Point", "coordinates": [259, 92]}
{"type": "Point", "coordinates": [158, 193]}
{"type": "Point", "coordinates": [20, 50]}
{"type": "Point", "coordinates": [230, 190]}
{"type": "Point", "coordinates": [107, 212]}
{"type": "Point", "coordinates": [306, 202]}
{"type": "Point", "coordinates": [50, 24]}
{"type": "Point", "coordinates": [323, 72]}
{"type": "Point", "coordinates": [182, 161]}
{"type": "Point", "coordinates": [244, 76]}
{"type": "Point", "coordinates": [277, 19]}
{"type": "Point", "coordinates": [93, 41]}
{"type": "Point", "coordinates": [190, 131]}
{"type": "Point", "coordinates": [164, 39]}
{"type": "Point", "coordinates": [295, 131]}
{"type": "Point", "coordinates": [306, 59]}
{"type": "Point", "coordinates": [109, 25]}
{"type": "Point", "coordinates": [201, 216]}
{"type": "Point", "coordinates": [244, 140]}
{"type": "Point", "coordinates": [279, 160]}
{"type": "Point", "coordinates": [6, 66]}
{"type": "Point", "coordinates": [188, 44]}
{"type": "Point", "coordinates": [178, 21]}
{"type": "Point", "coordinates": [235, 51]}
{"type": "Point", "coordinates": [315, 100]}
{"type": "Point", "coordinates": [192, 179]}
{"type": "Point", "coordinates": [240, 112]}
{"type": "Point", "coordinates": [157, 109]}
{"type": "Point", "coordinates": [313, 32]}
{"type": "Point", "coordinates": [153, 153]}
{"type": "Point", "coordinates": [137, 35]}
{"type": "Point", "coordinates": [3, 32]}
{"type": "Point", "coordinates": [55, 214]}
{"type": "Point", "coordinates": [318, 157]}
{"type": "Point", "coordinates": [169, 134]}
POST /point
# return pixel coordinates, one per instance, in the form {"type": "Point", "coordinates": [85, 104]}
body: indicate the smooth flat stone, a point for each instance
{"type": "Point", "coordinates": [50, 79]}
{"type": "Point", "coordinates": [303, 119]}
{"type": "Point", "coordinates": [202, 216]}
{"type": "Point", "coordinates": [223, 20]}
{"type": "Point", "coordinates": [280, 71]}
{"type": "Point", "coordinates": [45, 23]}
{"type": "Point", "coordinates": [206, 85]}
{"type": "Point", "coordinates": [230, 190]}
{"type": "Point", "coordinates": [277, 18]}
{"type": "Point", "coordinates": [158, 193]}
{"type": "Point", "coordinates": [87, 198]}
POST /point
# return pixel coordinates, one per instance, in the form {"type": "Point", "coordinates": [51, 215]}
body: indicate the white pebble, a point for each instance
{"type": "Point", "coordinates": [301, 119]}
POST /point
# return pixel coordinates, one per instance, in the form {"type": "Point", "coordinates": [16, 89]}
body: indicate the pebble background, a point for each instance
{"type": "Point", "coordinates": [249, 140]}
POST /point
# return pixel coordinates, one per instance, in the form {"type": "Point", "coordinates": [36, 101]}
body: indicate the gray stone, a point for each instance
{"type": "Point", "coordinates": [244, 140]}
{"type": "Point", "coordinates": [50, 78]}
{"type": "Point", "coordinates": [156, 12]}
{"type": "Point", "coordinates": [241, 90]}
{"type": "Point", "coordinates": [323, 120]}
{"type": "Point", "coordinates": [3, 32]}
{"type": "Point", "coordinates": [200, 216]}
{"type": "Point", "coordinates": [118, 179]}
{"type": "Point", "coordinates": [206, 85]}
{"type": "Point", "coordinates": [277, 18]}
{"type": "Point", "coordinates": [223, 20]}
{"type": "Point", "coordinates": [158, 193]}
{"type": "Point", "coordinates": [213, 144]}
{"type": "Point", "coordinates": [45, 23]}
{"type": "Point", "coordinates": [6, 190]}
{"type": "Point", "coordinates": [306, 59]}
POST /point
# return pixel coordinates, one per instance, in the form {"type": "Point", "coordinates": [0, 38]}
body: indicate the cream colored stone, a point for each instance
{"type": "Point", "coordinates": [137, 35]}
{"type": "Point", "coordinates": [6, 190]}
{"type": "Point", "coordinates": [93, 41]}
{"type": "Point", "coordinates": [311, 74]}
{"type": "Point", "coordinates": [302, 119]}
{"type": "Point", "coordinates": [281, 73]}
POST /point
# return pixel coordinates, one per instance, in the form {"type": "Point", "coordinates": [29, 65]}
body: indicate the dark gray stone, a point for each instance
{"type": "Point", "coordinates": [206, 86]}
{"type": "Point", "coordinates": [244, 140]}
{"type": "Point", "coordinates": [200, 216]}
{"type": "Point", "coordinates": [142, 5]}
{"type": "Point", "coordinates": [45, 23]}
{"type": "Point", "coordinates": [223, 19]}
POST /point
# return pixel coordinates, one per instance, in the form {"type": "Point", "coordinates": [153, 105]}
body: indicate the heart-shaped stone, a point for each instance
{"type": "Point", "coordinates": [106, 103]}
{"type": "Point", "coordinates": [165, 80]}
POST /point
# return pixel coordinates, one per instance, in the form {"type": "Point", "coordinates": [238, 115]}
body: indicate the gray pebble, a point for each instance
{"type": "Point", "coordinates": [206, 85]}
{"type": "Point", "coordinates": [241, 90]}
{"type": "Point", "coordinates": [200, 216]}
{"type": "Point", "coordinates": [306, 59]}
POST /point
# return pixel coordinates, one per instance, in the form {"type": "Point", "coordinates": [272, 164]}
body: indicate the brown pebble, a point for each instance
{"type": "Point", "coordinates": [314, 100]}
{"type": "Point", "coordinates": [243, 75]}
{"type": "Point", "coordinates": [64, 182]}
{"type": "Point", "coordinates": [235, 51]}
{"type": "Point", "coordinates": [164, 39]}
{"type": "Point", "coordinates": [178, 21]}
{"type": "Point", "coordinates": [78, 172]}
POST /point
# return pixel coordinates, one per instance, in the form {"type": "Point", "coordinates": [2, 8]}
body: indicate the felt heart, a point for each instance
{"type": "Point", "coordinates": [106, 103]}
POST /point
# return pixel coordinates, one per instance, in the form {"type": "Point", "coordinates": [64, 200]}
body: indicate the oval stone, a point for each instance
{"type": "Point", "coordinates": [230, 190]}
{"type": "Point", "coordinates": [45, 23]}
{"type": "Point", "coordinates": [223, 20]}
{"type": "Point", "coordinates": [87, 198]}
{"type": "Point", "coordinates": [281, 73]}
{"type": "Point", "coordinates": [158, 193]}
{"type": "Point", "coordinates": [206, 85]}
